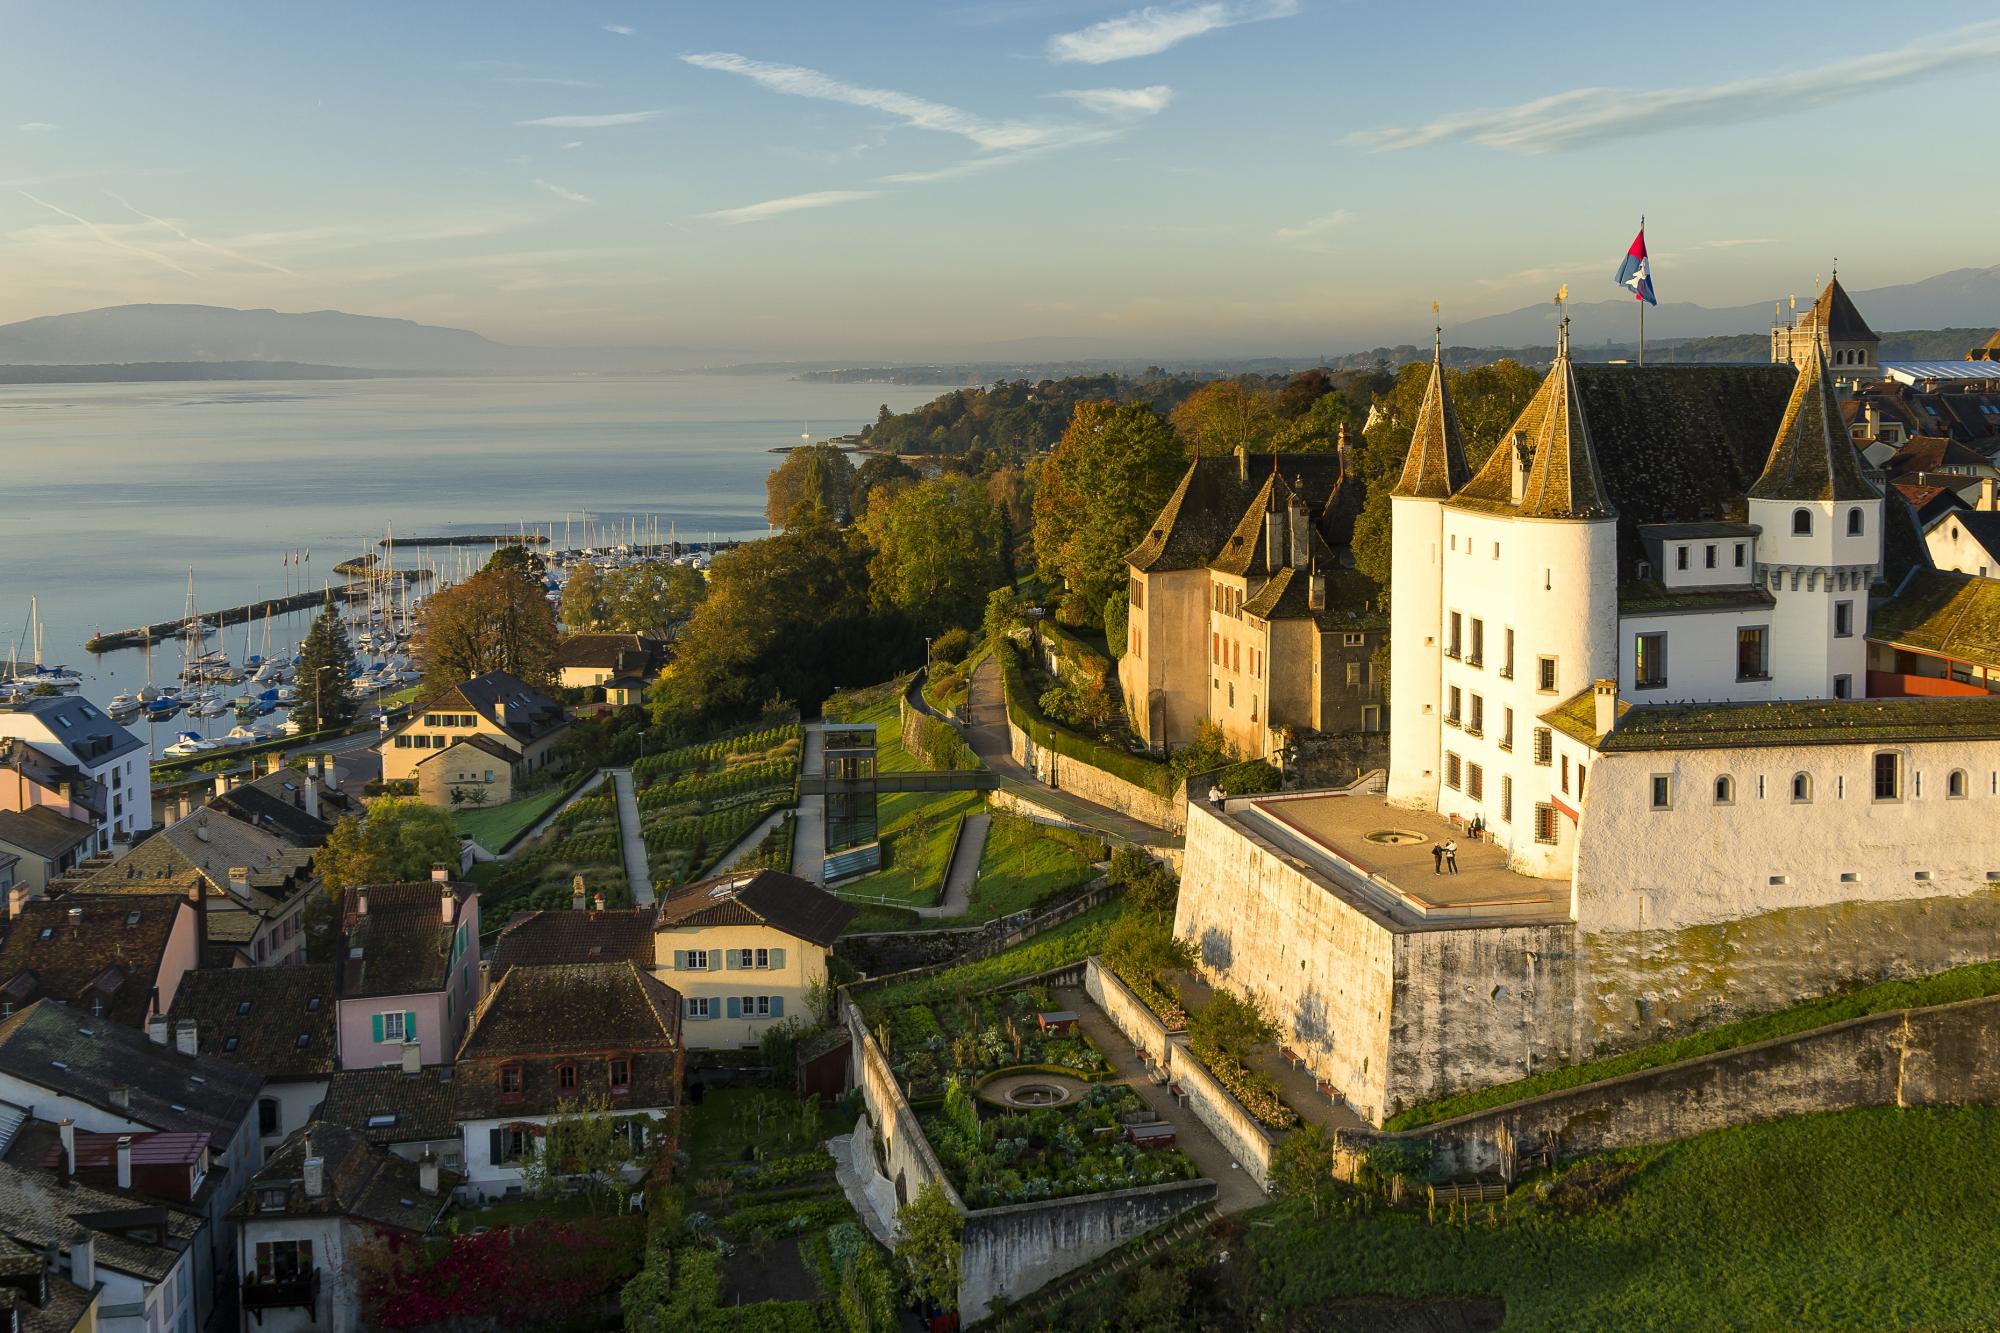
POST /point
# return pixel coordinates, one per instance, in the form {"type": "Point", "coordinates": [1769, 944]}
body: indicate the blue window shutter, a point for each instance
{"type": "Point", "coordinates": [377, 1020]}
{"type": "Point", "coordinates": [409, 1025]}
{"type": "Point", "coordinates": [777, 1006]}
{"type": "Point", "coordinates": [715, 960]}
{"type": "Point", "coordinates": [687, 1008]}
{"type": "Point", "coordinates": [735, 1007]}
{"type": "Point", "coordinates": [777, 959]}
{"type": "Point", "coordinates": [680, 960]}
{"type": "Point", "coordinates": [729, 959]}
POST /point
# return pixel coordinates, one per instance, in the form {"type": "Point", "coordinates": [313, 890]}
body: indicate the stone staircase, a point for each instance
{"type": "Point", "coordinates": [1132, 1253]}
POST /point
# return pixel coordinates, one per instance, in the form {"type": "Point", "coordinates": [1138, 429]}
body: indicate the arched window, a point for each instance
{"type": "Point", "coordinates": [1854, 521]}
{"type": "Point", "coordinates": [1725, 790]}
{"type": "Point", "coordinates": [1802, 788]}
{"type": "Point", "coordinates": [1802, 522]}
{"type": "Point", "coordinates": [1954, 786]}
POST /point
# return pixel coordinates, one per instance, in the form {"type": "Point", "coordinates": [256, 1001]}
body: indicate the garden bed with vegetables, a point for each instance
{"type": "Point", "coordinates": [929, 1045]}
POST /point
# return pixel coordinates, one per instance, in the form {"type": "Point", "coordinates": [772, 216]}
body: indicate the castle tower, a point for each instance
{"type": "Point", "coordinates": [1820, 546]}
{"type": "Point", "coordinates": [1433, 470]}
{"type": "Point", "coordinates": [1833, 325]}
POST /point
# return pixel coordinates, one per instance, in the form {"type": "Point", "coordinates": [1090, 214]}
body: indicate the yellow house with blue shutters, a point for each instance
{"type": "Point", "coordinates": [746, 952]}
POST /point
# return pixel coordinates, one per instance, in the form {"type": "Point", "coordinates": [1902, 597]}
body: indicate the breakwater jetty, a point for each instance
{"type": "Point", "coordinates": [470, 539]}
{"type": "Point", "coordinates": [142, 635]}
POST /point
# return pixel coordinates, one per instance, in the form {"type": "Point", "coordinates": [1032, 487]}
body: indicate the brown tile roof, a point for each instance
{"type": "Point", "coordinates": [1435, 465]}
{"type": "Point", "coordinates": [764, 897]}
{"type": "Point", "coordinates": [1813, 457]}
{"type": "Point", "coordinates": [262, 809]}
{"type": "Point", "coordinates": [41, 831]}
{"type": "Point", "coordinates": [609, 652]}
{"type": "Point", "coordinates": [62, 1303]}
{"type": "Point", "coordinates": [542, 939]}
{"type": "Point", "coordinates": [210, 843]}
{"type": "Point", "coordinates": [508, 702]}
{"type": "Point", "coordinates": [38, 1210]}
{"type": "Point", "coordinates": [402, 944]}
{"type": "Point", "coordinates": [106, 955]}
{"type": "Point", "coordinates": [1835, 312]}
{"type": "Point", "coordinates": [361, 1181]}
{"type": "Point", "coordinates": [417, 1107]}
{"type": "Point", "coordinates": [1944, 614]}
{"type": "Point", "coordinates": [581, 1015]}
{"type": "Point", "coordinates": [275, 1020]}
{"type": "Point", "coordinates": [47, 770]}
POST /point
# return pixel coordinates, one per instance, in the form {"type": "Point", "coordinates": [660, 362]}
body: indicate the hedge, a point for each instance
{"type": "Point", "coordinates": [1024, 713]}
{"type": "Point", "coordinates": [938, 743]}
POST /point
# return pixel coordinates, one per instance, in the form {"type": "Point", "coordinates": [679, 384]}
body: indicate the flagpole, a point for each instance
{"type": "Point", "coordinates": [1642, 296]}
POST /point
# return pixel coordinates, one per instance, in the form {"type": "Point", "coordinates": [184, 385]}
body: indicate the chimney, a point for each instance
{"type": "Point", "coordinates": [1316, 592]}
{"type": "Point", "coordinates": [413, 1057]}
{"type": "Point", "coordinates": [327, 773]}
{"type": "Point", "coordinates": [83, 1261]}
{"type": "Point", "coordinates": [68, 1132]}
{"type": "Point", "coordinates": [239, 879]}
{"type": "Point", "coordinates": [273, 762]}
{"type": "Point", "coordinates": [447, 904]}
{"type": "Point", "coordinates": [17, 901]}
{"type": "Point", "coordinates": [76, 918]}
{"type": "Point", "coordinates": [184, 1037]}
{"type": "Point", "coordinates": [156, 1028]}
{"type": "Point", "coordinates": [201, 826]}
{"type": "Point", "coordinates": [315, 1177]}
{"type": "Point", "coordinates": [427, 1173]}
{"type": "Point", "coordinates": [576, 894]}
{"type": "Point", "coordinates": [1242, 462]}
{"type": "Point", "coordinates": [121, 1096]}
{"type": "Point", "coordinates": [309, 792]}
{"type": "Point", "coordinates": [312, 768]}
{"type": "Point", "coordinates": [1274, 538]}
{"type": "Point", "coordinates": [1986, 498]}
{"type": "Point", "coordinates": [361, 902]}
{"type": "Point", "coordinates": [1301, 535]}
{"type": "Point", "coordinates": [438, 872]}
{"type": "Point", "coordinates": [124, 1161]}
{"type": "Point", "coordinates": [1342, 452]}
{"type": "Point", "coordinates": [1607, 705]}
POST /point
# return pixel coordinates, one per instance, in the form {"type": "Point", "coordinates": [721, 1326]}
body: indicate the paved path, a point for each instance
{"type": "Point", "coordinates": [750, 842]}
{"type": "Point", "coordinates": [542, 825]}
{"type": "Point", "coordinates": [809, 838]}
{"type": "Point", "coordinates": [986, 732]}
{"type": "Point", "coordinates": [1234, 1189]}
{"type": "Point", "coordinates": [964, 871]}
{"type": "Point", "coordinates": [637, 871]}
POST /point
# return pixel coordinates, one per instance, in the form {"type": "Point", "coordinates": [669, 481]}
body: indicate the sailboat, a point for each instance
{"type": "Point", "coordinates": [38, 676]}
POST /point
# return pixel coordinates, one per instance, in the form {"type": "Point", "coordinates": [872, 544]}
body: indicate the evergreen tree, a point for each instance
{"type": "Point", "coordinates": [325, 663]}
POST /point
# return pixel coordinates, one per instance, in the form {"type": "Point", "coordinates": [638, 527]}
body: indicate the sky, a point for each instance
{"type": "Point", "coordinates": [798, 178]}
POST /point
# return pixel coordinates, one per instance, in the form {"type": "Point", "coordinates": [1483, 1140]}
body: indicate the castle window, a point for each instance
{"type": "Point", "coordinates": [566, 1077]}
{"type": "Point", "coordinates": [1680, 557]}
{"type": "Point", "coordinates": [1752, 658]}
{"type": "Point", "coordinates": [1454, 699]}
{"type": "Point", "coordinates": [1507, 657]}
{"type": "Point", "coordinates": [1543, 747]}
{"type": "Point", "coordinates": [1507, 729]}
{"type": "Point", "coordinates": [1454, 636]}
{"type": "Point", "coordinates": [1888, 776]}
{"type": "Point", "coordinates": [1854, 521]}
{"type": "Point", "coordinates": [1478, 642]}
{"type": "Point", "coordinates": [1506, 799]}
{"type": "Point", "coordinates": [1843, 620]}
{"type": "Point", "coordinates": [1354, 675]}
{"type": "Point", "coordinates": [1802, 522]}
{"type": "Point", "coordinates": [1565, 775]}
{"type": "Point", "coordinates": [1138, 595]}
{"type": "Point", "coordinates": [1725, 790]}
{"type": "Point", "coordinates": [1545, 674]}
{"type": "Point", "coordinates": [1708, 556]}
{"type": "Point", "coordinates": [1475, 782]}
{"type": "Point", "coordinates": [1742, 553]}
{"type": "Point", "coordinates": [1649, 661]}
{"type": "Point", "coordinates": [1663, 791]}
{"type": "Point", "coordinates": [1451, 770]}
{"type": "Point", "coordinates": [1475, 721]}
{"type": "Point", "coordinates": [1801, 788]}
{"type": "Point", "coordinates": [1843, 687]}
{"type": "Point", "coordinates": [1954, 785]}
{"type": "Point", "coordinates": [1545, 823]}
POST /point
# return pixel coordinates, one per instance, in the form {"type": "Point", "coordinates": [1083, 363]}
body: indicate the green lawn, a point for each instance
{"type": "Point", "coordinates": [1961, 983]}
{"type": "Point", "coordinates": [890, 756]}
{"type": "Point", "coordinates": [916, 829]}
{"type": "Point", "coordinates": [1022, 862]}
{"type": "Point", "coordinates": [1874, 1219]}
{"type": "Point", "coordinates": [495, 826]}
{"type": "Point", "coordinates": [740, 1124]}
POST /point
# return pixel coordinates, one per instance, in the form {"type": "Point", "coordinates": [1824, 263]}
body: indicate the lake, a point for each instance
{"type": "Point", "coordinates": [111, 493]}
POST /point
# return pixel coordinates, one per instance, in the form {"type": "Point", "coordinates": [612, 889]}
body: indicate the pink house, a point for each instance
{"type": "Point", "coordinates": [408, 968]}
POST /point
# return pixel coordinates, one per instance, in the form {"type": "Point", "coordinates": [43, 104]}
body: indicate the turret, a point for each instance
{"type": "Point", "coordinates": [1820, 544]}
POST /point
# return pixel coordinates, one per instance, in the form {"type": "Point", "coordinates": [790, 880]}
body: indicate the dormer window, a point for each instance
{"type": "Point", "coordinates": [510, 1081]}
{"type": "Point", "coordinates": [621, 1074]}
{"type": "Point", "coordinates": [1802, 522]}
{"type": "Point", "coordinates": [566, 1078]}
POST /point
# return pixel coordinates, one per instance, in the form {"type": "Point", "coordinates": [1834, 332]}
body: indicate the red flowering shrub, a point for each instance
{"type": "Point", "coordinates": [521, 1275]}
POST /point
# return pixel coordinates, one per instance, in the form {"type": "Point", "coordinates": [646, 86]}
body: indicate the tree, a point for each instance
{"type": "Point", "coordinates": [396, 838]}
{"type": "Point", "coordinates": [497, 620]}
{"type": "Point", "coordinates": [927, 1244]}
{"type": "Point", "coordinates": [1096, 496]}
{"type": "Point", "coordinates": [325, 663]}
{"type": "Point", "coordinates": [1142, 948]}
{"type": "Point", "coordinates": [654, 597]}
{"type": "Point", "coordinates": [1302, 1166]}
{"type": "Point", "coordinates": [1317, 429]}
{"type": "Point", "coordinates": [814, 479]}
{"type": "Point", "coordinates": [1003, 613]}
{"type": "Point", "coordinates": [937, 551]}
{"type": "Point", "coordinates": [1224, 415]}
{"type": "Point", "coordinates": [1230, 1026]}
{"type": "Point", "coordinates": [586, 600]}
{"type": "Point", "coordinates": [581, 1146]}
{"type": "Point", "coordinates": [879, 471]}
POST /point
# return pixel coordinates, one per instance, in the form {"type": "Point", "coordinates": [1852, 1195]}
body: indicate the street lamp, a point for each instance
{"type": "Point", "coordinates": [642, 745]}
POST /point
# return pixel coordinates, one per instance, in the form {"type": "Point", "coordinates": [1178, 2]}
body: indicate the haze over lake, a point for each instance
{"type": "Point", "coordinates": [113, 492]}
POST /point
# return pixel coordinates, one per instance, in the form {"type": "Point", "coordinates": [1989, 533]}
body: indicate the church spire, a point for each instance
{"type": "Point", "coordinates": [1436, 465]}
{"type": "Point", "coordinates": [1564, 480]}
{"type": "Point", "coordinates": [1813, 458]}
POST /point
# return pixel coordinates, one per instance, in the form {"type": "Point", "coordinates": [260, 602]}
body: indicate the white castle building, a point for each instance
{"type": "Point", "coordinates": [1632, 649]}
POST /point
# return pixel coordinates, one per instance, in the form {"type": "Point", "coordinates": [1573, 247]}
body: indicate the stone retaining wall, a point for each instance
{"type": "Point", "coordinates": [1097, 786]}
{"type": "Point", "coordinates": [907, 1158]}
{"type": "Point", "coordinates": [1015, 1250]}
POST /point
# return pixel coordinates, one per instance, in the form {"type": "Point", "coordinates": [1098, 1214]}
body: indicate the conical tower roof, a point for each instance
{"type": "Point", "coordinates": [1436, 463]}
{"type": "Point", "coordinates": [1813, 458]}
{"type": "Point", "coordinates": [1834, 313]}
{"type": "Point", "coordinates": [1565, 481]}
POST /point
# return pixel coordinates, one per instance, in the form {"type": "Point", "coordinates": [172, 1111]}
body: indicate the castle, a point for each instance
{"type": "Point", "coordinates": [1631, 651]}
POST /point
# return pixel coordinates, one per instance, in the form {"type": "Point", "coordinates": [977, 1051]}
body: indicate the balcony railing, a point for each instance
{"type": "Point", "coordinates": [301, 1292]}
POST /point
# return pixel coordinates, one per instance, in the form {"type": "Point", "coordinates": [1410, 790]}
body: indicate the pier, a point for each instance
{"type": "Point", "coordinates": [470, 539]}
{"type": "Point", "coordinates": [236, 615]}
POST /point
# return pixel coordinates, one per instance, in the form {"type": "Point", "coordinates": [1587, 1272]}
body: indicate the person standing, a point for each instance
{"type": "Point", "coordinates": [1451, 856]}
{"type": "Point", "coordinates": [1437, 859]}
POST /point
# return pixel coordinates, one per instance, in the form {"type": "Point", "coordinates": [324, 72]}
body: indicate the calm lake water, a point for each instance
{"type": "Point", "coordinates": [109, 494]}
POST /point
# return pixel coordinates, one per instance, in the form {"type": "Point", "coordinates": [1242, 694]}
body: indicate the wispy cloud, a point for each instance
{"type": "Point", "coordinates": [620, 29]}
{"type": "Point", "coordinates": [596, 122]}
{"type": "Point", "coordinates": [545, 81]}
{"type": "Point", "coordinates": [1587, 115]}
{"type": "Point", "coordinates": [573, 143]}
{"type": "Point", "coordinates": [562, 192]}
{"type": "Point", "coordinates": [37, 126]}
{"type": "Point", "coordinates": [106, 237]}
{"type": "Point", "coordinates": [918, 112]}
{"type": "Point", "coordinates": [1314, 226]}
{"type": "Point", "coordinates": [1148, 31]}
{"type": "Point", "coordinates": [979, 166]}
{"type": "Point", "coordinates": [791, 203]}
{"type": "Point", "coordinates": [195, 241]}
{"type": "Point", "coordinates": [1121, 101]}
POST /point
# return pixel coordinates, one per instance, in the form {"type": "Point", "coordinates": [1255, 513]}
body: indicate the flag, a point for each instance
{"type": "Point", "coordinates": [1637, 270]}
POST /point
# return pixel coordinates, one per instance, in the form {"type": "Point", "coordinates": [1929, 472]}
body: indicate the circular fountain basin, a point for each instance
{"type": "Point", "coordinates": [1031, 1090]}
{"type": "Point", "coordinates": [1395, 837]}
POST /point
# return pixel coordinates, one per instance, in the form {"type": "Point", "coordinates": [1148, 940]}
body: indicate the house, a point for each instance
{"type": "Point", "coordinates": [1940, 637]}
{"type": "Point", "coordinates": [108, 1079]}
{"type": "Point", "coordinates": [519, 725]}
{"type": "Point", "coordinates": [744, 951]}
{"type": "Point", "coordinates": [72, 731]}
{"type": "Point", "coordinates": [137, 1267]}
{"type": "Point", "coordinates": [1967, 541]}
{"type": "Point", "coordinates": [408, 970]}
{"type": "Point", "coordinates": [622, 664]}
{"type": "Point", "coordinates": [545, 939]}
{"type": "Point", "coordinates": [31, 777]}
{"type": "Point", "coordinates": [568, 1034]}
{"type": "Point", "coordinates": [115, 957]}
{"type": "Point", "coordinates": [44, 844]}
{"type": "Point", "coordinates": [37, 1296]}
{"type": "Point", "coordinates": [1931, 503]}
{"type": "Point", "coordinates": [1246, 610]}
{"type": "Point", "coordinates": [406, 1108]}
{"type": "Point", "coordinates": [317, 1204]}
{"type": "Point", "coordinates": [252, 867]}
{"type": "Point", "coordinates": [277, 1021]}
